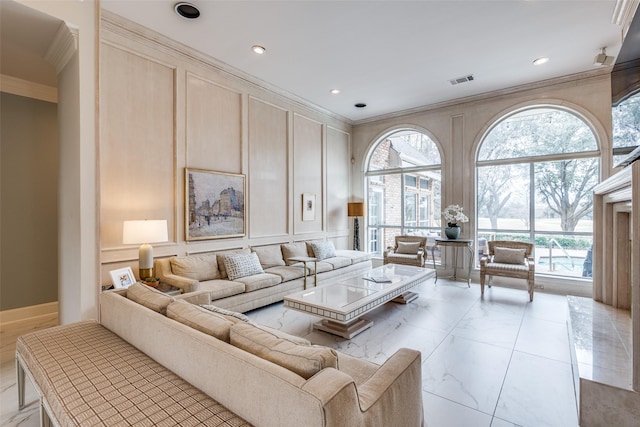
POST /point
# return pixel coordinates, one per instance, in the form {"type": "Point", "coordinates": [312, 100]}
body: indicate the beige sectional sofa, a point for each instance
{"type": "Point", "coordinates": [265, 376]}
{"type": "Point", "coordinates": [206, 276]}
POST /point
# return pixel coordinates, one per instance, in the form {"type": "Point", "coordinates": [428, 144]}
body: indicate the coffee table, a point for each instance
{"type": "Point", "coordinates": [341, 305]}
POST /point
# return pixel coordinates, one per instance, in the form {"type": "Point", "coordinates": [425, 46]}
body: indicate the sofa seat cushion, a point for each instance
{"type": "Point", "coordinates": [198, 267]}
{"type": "Point", "coordinates": [322, 266]}
{"type": "Point", "coordinates": [270, 256]}
{"type": "Point", "coordinates": [149, 297]}
{"type": "Point", "coordinates": [291, 250]}
{"type": "Point", "coordinates": [287, 272]}
{"type": "Point", "coordinates": [304, 360]}
{"type": "Point", "coordinates": [354, 256]}
{"type": "Point", "coordinates": [337, 262]}
{"type": "Point", "coordinates": [358, 369]}
{"type": "Point", "coordinates": [259, 281]}
{"type": "Point", "coordinates": [203, 320]}
{"type": "Point", "coordinates": [222, 288]}
{"type": "Point", "coordinates": [393, 256]}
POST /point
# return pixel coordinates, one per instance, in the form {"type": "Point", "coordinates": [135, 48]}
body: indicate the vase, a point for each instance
{"type": "Point", "coordinates": [452, 232]}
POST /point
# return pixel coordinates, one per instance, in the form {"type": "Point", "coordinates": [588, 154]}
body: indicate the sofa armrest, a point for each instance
{"type": "Point", "coordinates": [163, 272]}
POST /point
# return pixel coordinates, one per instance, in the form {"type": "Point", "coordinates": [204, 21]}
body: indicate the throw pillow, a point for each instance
{"type": "Point", "coordinates": [508, 256]}
{"type": "Point", "coordinates": [221, 267]}
{"type": "Point", "coordinates": [197, 267]}
{"type": "Point", "coordinates": [323, 250]}
{"type": "Point", "coordinates": [408, 248]}
{"type": "Point", "coordinates": [222, 311]}
{"type": "Point", "coordinates": [240, 265]}
{"type": "Point", "coordinates": [149, 297]}
{"type": "Point", "coordinates": [304, 360]}
{"type": "Point", "coordinates": [196, 317]}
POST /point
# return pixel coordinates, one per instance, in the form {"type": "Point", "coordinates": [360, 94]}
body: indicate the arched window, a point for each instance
{"type": "Point", "coordinates": [536, 170]}
{"type": "Point", "coordinates": [403, 182]}
{"type": "Point", "coordinates": [626, 126]}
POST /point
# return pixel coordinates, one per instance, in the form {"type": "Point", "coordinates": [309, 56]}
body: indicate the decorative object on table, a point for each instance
{"type": "Point", "coordinates": [145, 232]}
{"type": "Point", "coordinates": [453, 215]}
{"type": "Point", "coordinates": [356, 210]}
{"type": "Point", "coordinates": [122, 277]}
{"type": "Point", "coordinates": [308, 207]}
{"type": "Point", "coordinates": [151, 281]}
{"type": "Point", "coordinates": [214, 205]}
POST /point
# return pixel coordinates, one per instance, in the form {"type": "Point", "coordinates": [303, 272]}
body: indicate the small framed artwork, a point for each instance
{"type": "Point", "coordinates": [308, 207]}
{"type": "Point", "coordinates": [214, 205]}
{"type": "Point", "coordinates": [122, 277]}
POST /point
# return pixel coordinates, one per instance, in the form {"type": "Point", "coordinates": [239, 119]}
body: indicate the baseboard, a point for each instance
{"type": "Point", "coordinates": [24, 313]}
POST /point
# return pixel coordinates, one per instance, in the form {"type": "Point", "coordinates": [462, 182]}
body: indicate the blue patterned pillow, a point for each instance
{"type": "Point", "coordinates": [242, 265]}
{"type": "Point", "coordinates": [323, 250]}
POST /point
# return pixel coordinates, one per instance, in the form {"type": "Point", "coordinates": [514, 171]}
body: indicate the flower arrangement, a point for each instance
{"type": "Point", "coordinates": [453, 214]}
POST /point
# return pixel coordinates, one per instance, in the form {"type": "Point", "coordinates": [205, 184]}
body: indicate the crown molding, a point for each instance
{"type": "Point", "coordinates": [63, 46]}
{"type": "Point", "coordinates": [623, 13]}
{"type": "Point", "coordinates": [16, 86]}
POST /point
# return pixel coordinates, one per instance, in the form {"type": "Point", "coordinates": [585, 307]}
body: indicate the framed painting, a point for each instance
{"type": "Point", "coordinates": [308, 207]}
{"type": "Point", "coordinates": [214, 205]}
{"type": "Point", "coordinates": [122, 277]}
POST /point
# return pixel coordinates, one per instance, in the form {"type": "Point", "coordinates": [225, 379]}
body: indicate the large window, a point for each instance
{"type": "Point", "coordinates": [626, 127]}
{"type": "Point", "coordinates": [403, 189]}
{"type": "Point", "coordinates": [536, 170]}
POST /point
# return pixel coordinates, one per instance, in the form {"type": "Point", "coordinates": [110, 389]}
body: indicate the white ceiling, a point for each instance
{"type": "Point", "coordinates": [391, 55]}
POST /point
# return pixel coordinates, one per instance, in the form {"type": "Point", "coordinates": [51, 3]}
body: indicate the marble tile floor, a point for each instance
{"type": "Point", "coordinates": [498, 361]}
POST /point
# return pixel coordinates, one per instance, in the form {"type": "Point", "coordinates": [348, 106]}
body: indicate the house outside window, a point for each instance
{"type": "Point", "coordinates": [536, 170]}
{"type": "Point", "coordinates": [403, 182]}
{"type": "Point", "coordinates": [626, 127]}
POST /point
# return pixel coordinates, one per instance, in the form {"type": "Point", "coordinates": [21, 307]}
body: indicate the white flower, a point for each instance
{"type": "Point", "coordinates": [453, 215]}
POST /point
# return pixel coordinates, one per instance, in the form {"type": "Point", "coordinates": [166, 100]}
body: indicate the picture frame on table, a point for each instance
{"type": "Point", "coordinates": [308, 207]}
{"type": "Point", "coordinates": [122, 277]}
{"type": "Point", "coordinates": [214, 205]}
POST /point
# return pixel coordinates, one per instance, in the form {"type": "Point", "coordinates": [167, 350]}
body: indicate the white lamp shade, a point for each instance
{"type": "Point", "coordinates": [144, 231]}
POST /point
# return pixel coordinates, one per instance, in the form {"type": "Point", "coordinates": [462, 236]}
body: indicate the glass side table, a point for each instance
{"type": "Point", "coordinates": [305, 260]}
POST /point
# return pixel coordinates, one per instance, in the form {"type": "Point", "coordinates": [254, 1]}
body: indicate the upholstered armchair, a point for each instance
{"type": "Point", "coordinates": [408, 250]}
{"type": "Point", "coordinates": [508, 259]}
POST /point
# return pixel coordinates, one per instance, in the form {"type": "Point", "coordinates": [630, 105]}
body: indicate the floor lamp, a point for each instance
{"type": "Point", "coordinates": [145, 232]}
{"type": "Point", "coordinates": [356, 210]}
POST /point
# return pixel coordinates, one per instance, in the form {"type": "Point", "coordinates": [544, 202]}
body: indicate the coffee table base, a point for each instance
{"type": "Point", "coordinates": [405, 298]}
{"type": "Point", "coordinates": [348, 330]}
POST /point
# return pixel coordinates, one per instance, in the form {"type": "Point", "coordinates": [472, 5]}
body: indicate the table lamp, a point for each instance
{"type": "Point", "coordinates": [356, 209]}
{"type": "Point", "coordinates": [145, 232]}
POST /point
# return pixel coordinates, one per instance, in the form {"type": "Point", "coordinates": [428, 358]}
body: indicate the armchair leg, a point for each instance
{"type": "Point", "coordinates": [531, 283]}
{"type": "Point", "coordinates": [482, 277]}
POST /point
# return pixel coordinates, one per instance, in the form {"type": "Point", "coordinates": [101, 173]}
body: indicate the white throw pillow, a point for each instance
{"type": "Point", "coordinates": [508, 256]}
{"type": "Point", "coordinates": [408, 248]}
{"type": "Point", "coordinates": [241, 265]}
{"type": "Point", "coordinates": [323, 250]}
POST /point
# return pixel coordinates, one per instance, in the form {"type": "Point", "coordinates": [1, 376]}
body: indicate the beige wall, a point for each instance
{"type": "Point", "coordinates": [165, 108]}
{"type": "Point", "coordinates": [29, 202]}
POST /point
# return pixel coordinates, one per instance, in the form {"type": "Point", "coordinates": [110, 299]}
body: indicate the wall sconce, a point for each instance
{"type": "Point", "coordinates": [355, 210]}
{"type": "Point", "coordinates": [145, 232]}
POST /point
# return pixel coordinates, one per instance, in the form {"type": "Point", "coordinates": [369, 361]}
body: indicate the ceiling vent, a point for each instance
{"type": "Point", "coordinates": [461, 80]}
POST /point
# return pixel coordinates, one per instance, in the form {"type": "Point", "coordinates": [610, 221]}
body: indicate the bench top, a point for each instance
{"type": "Point", "coordinates": [90, 376]}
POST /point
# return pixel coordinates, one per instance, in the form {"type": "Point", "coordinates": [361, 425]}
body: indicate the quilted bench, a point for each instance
{"type": "Point", "coordinates": [86, 375]}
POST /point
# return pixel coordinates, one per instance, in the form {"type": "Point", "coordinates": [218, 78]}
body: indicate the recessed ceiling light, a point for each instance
{"type": "Point", "coordinates": [541, 61]}
{"type": "Point", "coordinates": [360, 105]}
{"type": "Point", "coordinates": [335, 91]}
{"type": "Point", "coordinates": [258, 49]}
{"type": "Point", "coordinates": [186, 10]}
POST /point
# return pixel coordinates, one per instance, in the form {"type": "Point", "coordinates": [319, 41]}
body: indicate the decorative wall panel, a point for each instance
{"type": "Point", "coordinates": [213, 126]}
{"type": "Point", "coordinates": [268, 163]}
{"type": "Point", "coordinates": [307, 171]}
{"type": "Point", "coordinates": [137, 147]}
{"type": "Point", "coordinates": [338, 163]}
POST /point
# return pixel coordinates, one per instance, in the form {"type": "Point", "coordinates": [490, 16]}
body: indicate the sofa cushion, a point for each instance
{"type": "Point", "coordinates": [242, 265]}
{"type": "Point", "coordinates": [151, 298]}
{"type": "Point", "coordinates": [286, 272]}
{"type": "Point", "coordinates": [220, 255]}
{"type": "Point", "coordinates": [354, 256]}
{"type": "Point", "coordinates": [323, 250]}
{"type": "Point", "coordinates": [198, 267]}
{"type": "Point", "coordinates": [270, 256]}
{"type": "Point", "coordinates": [508, 256]}
{"type": "Point", "coordinates": [227, 313]}
{"type": "Point", "coordinates": [291, 250]}
{"type": "Point", "coordinates": [221, 288]}
{"type": "Point", "coordinates": [259, 281]}
{"type": "Point", "coordinates": [304, 360]}
{"type": "Point", "coordinates": [408, 248]}
{"type": "Point", "coordinates": [198, 318]}
{"type": "Point", "coordinates": [337, 262]}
